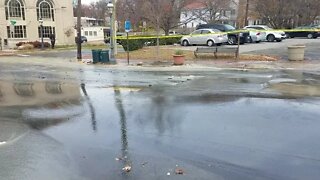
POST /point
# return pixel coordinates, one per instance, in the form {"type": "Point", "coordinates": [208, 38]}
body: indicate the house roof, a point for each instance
{"type": "Point", "coordinates": [194, 5]}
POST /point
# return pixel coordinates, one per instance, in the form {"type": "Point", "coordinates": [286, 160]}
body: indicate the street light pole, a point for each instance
{"type": "Point", "coordinates": [41, 33]}
{"type": "Point", "coordinates": [115, 49]}
{"type": "Point", "coordinates": [112, 33]}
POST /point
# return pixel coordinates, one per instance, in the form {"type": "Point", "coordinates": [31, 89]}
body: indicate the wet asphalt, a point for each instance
{"type": "Point", "coordinates": [66, 121]}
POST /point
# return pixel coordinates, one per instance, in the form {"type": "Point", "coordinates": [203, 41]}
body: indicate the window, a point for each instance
{"type": "Point", "coordinates": [206, 32]}
{"type": "Point", "coordinates": [196, 32]}
{"type": "Point", "coordinates": [47, 30]}
{"type": "Point", "coordinates": [17, 32]}
{"type": "Point", "coordinates": [24, 89]}
{"type": "Point", "coordinates": [90, 33]}
{"type": "Point", "coordinates": [14, 9]}
{"type": "Point", "coordinates": [86, 33]}
{"type": "Point", "coordinates": [45, 10]}
{"type": "Point", "coordinates": [95, 33]}
{"type": "Point", "coordinates": [53, 88]}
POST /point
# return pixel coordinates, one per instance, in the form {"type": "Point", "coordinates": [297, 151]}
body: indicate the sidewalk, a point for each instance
{"type": "Point", "coordinates": [7, 52]}
{"type": "Point", "coordinates": [229, 64]}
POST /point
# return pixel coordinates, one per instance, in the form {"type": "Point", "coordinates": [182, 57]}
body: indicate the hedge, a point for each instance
{"type": "Point", "coordinates": [36, 44]}
{"type": "Point", "coordinates": [138, 42]}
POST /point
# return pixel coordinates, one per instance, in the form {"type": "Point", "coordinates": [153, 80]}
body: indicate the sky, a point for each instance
{"type": "Point", "coordinates": [87, 1]}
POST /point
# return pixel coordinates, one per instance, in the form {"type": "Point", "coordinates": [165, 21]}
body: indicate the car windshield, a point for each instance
{"type": "Point", "coordinates": [215, 30]}
{"type": "Point", "coordinates": [229, 27]}
{"type": "Point", "coordinates": [267, 28]}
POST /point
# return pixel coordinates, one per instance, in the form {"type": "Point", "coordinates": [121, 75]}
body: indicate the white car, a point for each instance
{"type": "Point", "coordinates": [256, 36]}
{"type": "Point", "coordinates": [209, 37]}
{"type": "Point", "coordinates": [271, 34]}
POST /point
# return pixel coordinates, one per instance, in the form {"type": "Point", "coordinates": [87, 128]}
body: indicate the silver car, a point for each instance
{"type": "Point", "coordinates": [209, 37]}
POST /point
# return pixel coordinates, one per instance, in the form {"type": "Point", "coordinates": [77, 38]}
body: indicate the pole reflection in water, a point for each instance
{"type": "Point", "coordinates": [91, 108]}
{"type": "Point", "coordinates": [123, 125]}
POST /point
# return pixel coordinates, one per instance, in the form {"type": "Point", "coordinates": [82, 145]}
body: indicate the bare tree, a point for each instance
{"type": "Point", "coordinates": [212, 11]}
{"type": "Point", "coordinates": [288, 13]}
{"type": "Point", "coordinates": [164, 13]}
{"type": "Point", "coordinates": [132, 10]}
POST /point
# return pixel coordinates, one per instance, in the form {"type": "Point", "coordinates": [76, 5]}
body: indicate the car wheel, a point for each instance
{"type": "Point", "coordinates": [249, 39]}
{"type": "Point", "coordinates": [232, 40]}
{"type": "Point", "coordinates": [210, 43]}
{"type": "Point", "coordinates": [271, 38]}
{"type": "Point", "coordinates": [258, 41]}
{"type": "Point", "coordinates": [279, 40]}
{"type": "Point", "coordinates": [185, 43]}
{"type": "Point", "coordinates": [310, 36]}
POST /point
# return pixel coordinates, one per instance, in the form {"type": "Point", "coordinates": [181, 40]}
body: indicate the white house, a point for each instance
{"type": "Point", "coordinates": [190, 19]}
{"type": "Point", "coordinates": [93, 29]}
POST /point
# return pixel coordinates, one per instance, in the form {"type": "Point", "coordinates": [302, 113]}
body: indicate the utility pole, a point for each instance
{"type": "Point", "coordinates": [79, 54]}
{"type": "Point", "coordinates": [246, 14]}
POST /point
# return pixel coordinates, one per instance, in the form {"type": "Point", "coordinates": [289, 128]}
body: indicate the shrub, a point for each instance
{"type": "Point", "coordinates": [137, 42]}
{"type": "Point", "coordinates": [35, 44]}
{"type": "Point", "coordinates": [178, 52]}
{"type": "Point", "coordinates": [25, 47]}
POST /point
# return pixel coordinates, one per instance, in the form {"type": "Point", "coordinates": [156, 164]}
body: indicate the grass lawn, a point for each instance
{"type": "Point", "coordinates": [151, 53]}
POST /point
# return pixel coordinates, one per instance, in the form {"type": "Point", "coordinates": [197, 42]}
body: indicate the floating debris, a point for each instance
{"type": "Point", "coordinates": [179, 171]}
{"type": "Point", "coordinates": [127, 168]}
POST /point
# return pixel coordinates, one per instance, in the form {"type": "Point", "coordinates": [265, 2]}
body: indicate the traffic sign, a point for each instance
{"type": "Point", "coordinates": [13, 22]}
{"type": "Point", "coordinates": [127, 26]}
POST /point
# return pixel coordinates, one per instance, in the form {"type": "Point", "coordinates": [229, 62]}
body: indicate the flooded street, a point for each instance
{"type": "Point", "coordinates": [69, 121]}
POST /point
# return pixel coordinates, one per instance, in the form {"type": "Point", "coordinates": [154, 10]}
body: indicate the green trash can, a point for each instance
{"type": "Point", "coordinates": [96, 55]}
{"type": "Point", "coordinates": [104, 56]}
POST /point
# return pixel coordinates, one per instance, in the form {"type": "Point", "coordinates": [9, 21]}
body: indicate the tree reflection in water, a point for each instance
{"type": "Point", "coordinates": [92, 110]}
{"type": "Point", "coordinates": [123, 126]}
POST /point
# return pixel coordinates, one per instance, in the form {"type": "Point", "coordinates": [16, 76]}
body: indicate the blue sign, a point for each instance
{"type": "Point", "coordinates": [127, 26]}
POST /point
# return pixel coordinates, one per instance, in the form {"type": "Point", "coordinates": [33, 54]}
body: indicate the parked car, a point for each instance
{"type": "Point", "coordinates": [271, 34]}
{"type": "Point", "coordinates": [304, 31]}
{"type": "Point", "coordinates": [230, 30]}
{"type": "Point", "coordinates": [256, 36]}
{"type": "Point", "coordinates": [119, 34]}
{"type": "Point", "coordinates": [317, 26]}
{"type": "Point", "coordinates": [209, 37]}
{"type": "Point", "coordinates": [83, 39]}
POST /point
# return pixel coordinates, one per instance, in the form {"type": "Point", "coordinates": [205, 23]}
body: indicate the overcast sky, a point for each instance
{"type": "Point", "coordinates": [88, 1]}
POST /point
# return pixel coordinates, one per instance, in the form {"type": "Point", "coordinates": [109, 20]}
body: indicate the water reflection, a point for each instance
{"type": "Point", "coordinates": [53, 88]}
{"type": "Point", "coordinates": [91, 108]}
{"type": "Point", "coordinates": [123, 126]}
{"type": "Point", "coordinates": [38, 104]}
{"type": "Point", "coordinates": [26, 108]}
{"type": "Point", "coordinates": [23, 89]}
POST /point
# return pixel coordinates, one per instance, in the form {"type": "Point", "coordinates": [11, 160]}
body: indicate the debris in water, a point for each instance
{"type": "Point", "coordinates": [144, 163]}
{"type": "Point", "coordinates": [179, 171]}
{"type": "Point", "coordinates": [118, 159]}
{"type": "Point", "coordinates": [127, 168]}
{"type": "Point", "coordinates": [168, 173]}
